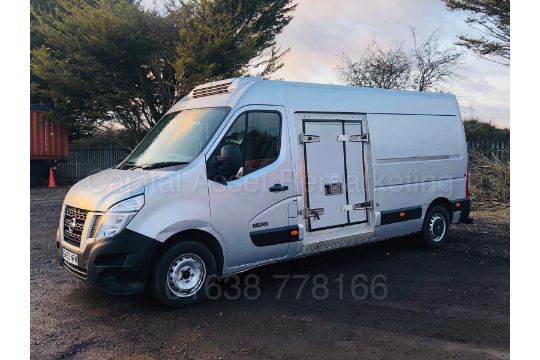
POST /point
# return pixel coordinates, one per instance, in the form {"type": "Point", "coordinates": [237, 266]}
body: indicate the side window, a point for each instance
{"type": "Point", "coordinates": [262, 140]}
{"type": "Point", "coordinates": [257, 136]}
{"type": "Point", "coordinates": [236, 133]}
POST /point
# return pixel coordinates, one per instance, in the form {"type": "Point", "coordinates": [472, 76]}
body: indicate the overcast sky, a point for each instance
{"type": "Point", "coordinates": [322, 30]}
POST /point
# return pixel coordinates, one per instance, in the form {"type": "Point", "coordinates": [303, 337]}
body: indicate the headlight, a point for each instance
{"type": "Point", "coordinates": [118, 216]}
{"type": "Point", "coordinates": [132, 204]}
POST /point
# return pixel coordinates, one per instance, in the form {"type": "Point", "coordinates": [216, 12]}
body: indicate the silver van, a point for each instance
{"type": "Point", "coordinates": [245, 172]}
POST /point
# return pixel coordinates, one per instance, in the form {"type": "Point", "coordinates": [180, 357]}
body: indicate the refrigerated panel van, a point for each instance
{"type": "Point", "coordinates": [245, 172]}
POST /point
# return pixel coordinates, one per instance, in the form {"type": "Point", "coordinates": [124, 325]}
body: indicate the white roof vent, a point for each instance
{"type": "Point", "coordinates": [213, 88]}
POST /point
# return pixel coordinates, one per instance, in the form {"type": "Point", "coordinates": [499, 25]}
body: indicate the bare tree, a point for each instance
{"type": "Point", "coordinates": [387, 69]}
{"type": "Point", "coordinates": [426, 66]}
{"type": "Point", "coordinates": [432, 65]}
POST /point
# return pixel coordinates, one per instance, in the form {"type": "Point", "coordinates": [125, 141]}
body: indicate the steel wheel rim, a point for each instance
{"type": "Point", "coordinates": [437, 227]}
{"type": "Point", "coordinates": [186, 275]}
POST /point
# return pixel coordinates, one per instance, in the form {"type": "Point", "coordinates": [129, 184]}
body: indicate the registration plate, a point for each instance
{"type": "Point", "coordinates": [70, 257]}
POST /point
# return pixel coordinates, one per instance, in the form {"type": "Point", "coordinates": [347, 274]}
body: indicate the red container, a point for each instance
{"type": "Point", "coordinates": [48, 141]}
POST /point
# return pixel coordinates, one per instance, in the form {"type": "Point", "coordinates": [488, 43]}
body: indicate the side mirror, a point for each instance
{"type": "Point", "coordinates": [230, 160]}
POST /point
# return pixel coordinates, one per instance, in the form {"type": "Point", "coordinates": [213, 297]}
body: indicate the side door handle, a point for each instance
{"type": "Point", "coordinates": [278, 187]}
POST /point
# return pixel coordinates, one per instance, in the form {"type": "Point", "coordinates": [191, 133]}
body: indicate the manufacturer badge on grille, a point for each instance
{"type": "Point", "coordinates": [72, 224]}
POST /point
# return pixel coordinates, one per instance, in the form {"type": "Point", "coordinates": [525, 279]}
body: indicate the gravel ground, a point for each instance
{"type": "Point", "coordinates": [446, 303]}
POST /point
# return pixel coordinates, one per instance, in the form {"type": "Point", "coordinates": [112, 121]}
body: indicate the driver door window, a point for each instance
{"type": "Point", "coordinates": [258, 136]}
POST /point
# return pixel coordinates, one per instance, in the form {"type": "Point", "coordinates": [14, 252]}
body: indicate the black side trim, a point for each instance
{"type": "Point", "coordinates": [465, 208]}
{"type": "Point", "coordinates": [274, 236]}
{"type": "Point", "coordinates": [341, 225]}
{"type": "Point", "coordinates": [394, 216]}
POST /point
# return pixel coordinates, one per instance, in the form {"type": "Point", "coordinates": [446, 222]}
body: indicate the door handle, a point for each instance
{"type": "Point", "coordinates": [278, 187]}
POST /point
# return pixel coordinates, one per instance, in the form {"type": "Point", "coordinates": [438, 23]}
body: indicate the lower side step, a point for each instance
{"type": "Point", "coordinates": [337, 242]}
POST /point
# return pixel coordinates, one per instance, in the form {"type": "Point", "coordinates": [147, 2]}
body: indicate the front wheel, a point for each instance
{"type": "Point", "coordinates": [183, 274]}
{"type": "Point", "coordinates": [436, 226]}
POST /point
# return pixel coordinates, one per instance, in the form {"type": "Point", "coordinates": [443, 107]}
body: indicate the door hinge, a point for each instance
{"type": "Point", "coordinates": [304, 139]}
{"type": "Point", "coordinates": [363, 205]}
{"type": "Point", "coordinates": [316, 213]}
{"type": "Point", "coordinates": [359, 138]}
{"type": "Point", "coordinates": [358, 206]}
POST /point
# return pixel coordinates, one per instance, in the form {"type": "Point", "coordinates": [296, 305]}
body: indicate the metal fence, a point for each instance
{"type": "Point", "coordinates": [498, 150]}
{"type": "Point", "coordinates": [85, 160]}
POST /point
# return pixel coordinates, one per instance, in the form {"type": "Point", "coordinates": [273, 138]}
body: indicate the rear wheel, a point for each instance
{"type": "Point", "coordinates": [183, 274]}
{"type": "Point", "coordinates": [436, 226]}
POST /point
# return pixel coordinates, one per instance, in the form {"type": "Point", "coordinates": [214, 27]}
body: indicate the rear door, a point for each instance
{"type": "Point", "coordinates": [334, 171]}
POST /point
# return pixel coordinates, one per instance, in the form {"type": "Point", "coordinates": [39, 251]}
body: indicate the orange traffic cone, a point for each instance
{"type": "Point", "coordinates": [52, 183]}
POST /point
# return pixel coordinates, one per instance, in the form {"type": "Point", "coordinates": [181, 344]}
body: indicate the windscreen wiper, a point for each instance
{"type": "Point", "coordinates": [161, 164]}
{"type": "Point", "coordinates": [127, 166]}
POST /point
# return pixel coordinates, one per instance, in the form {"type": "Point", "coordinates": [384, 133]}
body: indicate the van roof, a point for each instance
{"type": "Point", "coordinates": [298, 96]}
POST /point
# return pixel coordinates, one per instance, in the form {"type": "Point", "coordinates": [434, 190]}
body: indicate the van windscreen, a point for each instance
{"type": "Point", "coordinates": [177, 138]}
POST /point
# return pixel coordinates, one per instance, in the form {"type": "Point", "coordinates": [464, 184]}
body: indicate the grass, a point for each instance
{"type": "Point", "coordinates": [489, 182]}
{"type": "Point", "coordinates": [491, 213]}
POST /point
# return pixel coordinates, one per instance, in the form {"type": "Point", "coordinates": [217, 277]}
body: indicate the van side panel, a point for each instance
{"type": "Point", "coordinates": [415, 148]}
{"type": "Point", "coordinates": [409, 195]}
{"type": "Point", "coordinates": [416, 159]}
{"type": "Point", "coordinates": [401, 137]}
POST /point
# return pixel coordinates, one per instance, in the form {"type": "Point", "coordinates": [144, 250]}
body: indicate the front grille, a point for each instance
{"type": "Point", "coordinates": [212, 90]}
{"type": "Point", "coordinates": [73, 225]}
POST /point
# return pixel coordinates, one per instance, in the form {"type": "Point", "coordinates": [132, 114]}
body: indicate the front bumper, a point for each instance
{"type": "Point", "coordinates": [119, 264]}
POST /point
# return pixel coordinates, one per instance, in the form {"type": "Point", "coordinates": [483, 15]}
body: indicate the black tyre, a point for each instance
{"type": "Point", "coordinates": [436, 226]}
{"type": "Point", "coordinates": [182, 274]}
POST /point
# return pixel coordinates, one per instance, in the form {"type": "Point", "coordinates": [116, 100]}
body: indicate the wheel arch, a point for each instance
{"type": "Point", "coordinates": [444, 202]}
{"type": "Point", "coordinates": [197, 235]}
